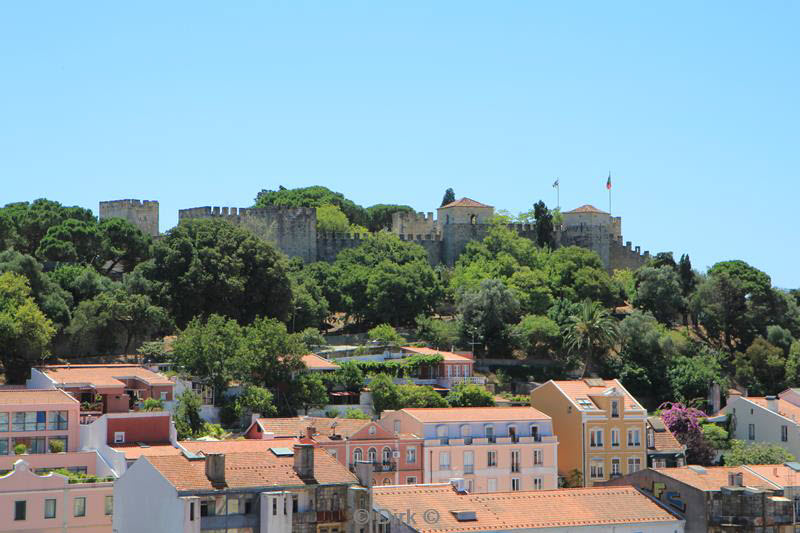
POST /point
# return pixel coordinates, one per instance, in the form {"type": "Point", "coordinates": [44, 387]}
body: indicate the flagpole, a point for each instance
{"type": "Point", "coordinates": [558, 194]}
{"type": "Point", "coordinates": [609, 192]}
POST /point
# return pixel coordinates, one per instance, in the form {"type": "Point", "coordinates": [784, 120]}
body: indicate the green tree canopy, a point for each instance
{"type": "Point", "coordinates": [449, 197]}
{"type": "Point", "coordinates": [267, 354]}
{"type": "Point", "coordinates": [756, 453]}
{"type": "Point", "coordinates": [386, 334]}
{"type": "Point", "coordinates": [592, 331]}
{"type": "Point", "coordinates": [469, 395]}
{"type": "Point", "coordinates": [486, 313]}
{"type": "Point", "coordinates": [658, 291]}
{"type": "Point", "coordinates": [331, 219]}
{"type": "Point", "coordinates": [537, 335]}
{"type": "Point", "coordinates": [315, 196]}
{"type": "Point", "coordinates": [380, 215]}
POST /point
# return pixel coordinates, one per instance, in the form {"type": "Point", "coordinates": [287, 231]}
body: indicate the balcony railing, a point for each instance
{"type": "Point", "coordinates": [452, 381]}
{"type": "Point", "coordinates": [379, 466]}
{"type": "Point", "coordinates": [469, 469]}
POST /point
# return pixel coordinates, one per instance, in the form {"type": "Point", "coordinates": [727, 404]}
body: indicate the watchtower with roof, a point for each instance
{"type": "Point", "coordinates": [460, 222]}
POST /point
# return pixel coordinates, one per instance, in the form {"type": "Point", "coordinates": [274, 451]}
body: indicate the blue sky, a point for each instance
{"type": "Point", "coordinates": [692, 106]}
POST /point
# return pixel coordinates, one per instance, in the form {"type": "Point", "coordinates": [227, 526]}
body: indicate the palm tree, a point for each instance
{"type": "Point", "coordinates": [591, 329]}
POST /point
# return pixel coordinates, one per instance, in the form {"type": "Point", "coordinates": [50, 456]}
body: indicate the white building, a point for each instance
{"type": "Point", "coordinates": [773, 419]}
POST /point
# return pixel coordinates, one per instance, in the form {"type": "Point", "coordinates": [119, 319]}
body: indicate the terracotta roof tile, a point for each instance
{"type": "Point", "coordinates": [464, 202]}
{"type": "Point", "coordinates": [580, 388]}
{"type": "Point", "coordinates": [505, 511]}
{"type": "Point", "coordinates": [249, 469]}
{"type": "Point", "coordinates": [781, 475]}
{"type": "Point", "coordinates": [296, 426]}
{"type": "Point", "coordinates": [663, 439]}
{"type": "Point", "coordinates": [712, 478]}
{"type": "Point", "coordinates": [35, 396]}
{"type": "Point", "coordinates": [447, 356]}
{"type": "Point", "coordinates": [108, 375]}
{"type": "Point", "coordinates": [134, 451]}
{"type": "Point", "coordinates": [586, 208]}
{"type": "Point", "coordinates": [236, 445]}
{"type": "Point", "coordinates": [475, 414]}
{"type": "Point", "coordinates": [315, 362]}
{"type": "Point", "coordinates": [785, 408]}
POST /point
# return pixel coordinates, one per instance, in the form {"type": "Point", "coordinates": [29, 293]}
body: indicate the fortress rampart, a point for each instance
{"type": "Point", "coordinates": [141, 213]}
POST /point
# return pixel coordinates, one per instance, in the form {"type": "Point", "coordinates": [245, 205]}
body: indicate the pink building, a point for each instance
{"type": "Point", "coordinates": [38, 419]}
{"type": "Point", "coordinates": [50, 503]}
{"type": "Point", "coordinates": [494, 449]}
{"type": "Point", "coordinates": [452, 370]}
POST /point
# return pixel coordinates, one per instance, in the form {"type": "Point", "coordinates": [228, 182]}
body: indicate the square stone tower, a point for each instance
{"type": "Point", "coordinates": [141, 213]}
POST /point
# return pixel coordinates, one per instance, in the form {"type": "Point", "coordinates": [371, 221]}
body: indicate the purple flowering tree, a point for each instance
{"type": "Point", "coordinates": [684, 423]}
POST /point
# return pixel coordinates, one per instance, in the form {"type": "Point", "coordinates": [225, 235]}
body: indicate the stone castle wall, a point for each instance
{"type": "Point", "coordinates": [413, 223]}
{"type": "Point", "coordinates": [293, 230]}
{"type": "Point", "coordinates": [142, 214]}
{"type": "Point", "coordinates": [330, 244]}
{"type": "Point", "coordinates": [622, 257]}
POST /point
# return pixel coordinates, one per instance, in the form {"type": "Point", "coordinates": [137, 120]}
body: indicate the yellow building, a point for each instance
{"type": "Point", "coordinates": [599, 425]}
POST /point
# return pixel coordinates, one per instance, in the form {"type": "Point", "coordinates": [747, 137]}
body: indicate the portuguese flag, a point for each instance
{"type": "Point", "coordinates": [608, 183]}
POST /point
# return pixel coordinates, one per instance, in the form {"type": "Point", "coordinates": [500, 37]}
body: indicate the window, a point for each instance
{"type": "Point", "coordinates": [470, 486]}
{"type": "Point", "coordinates": [191, 511]}
{"type": "Point", "coordinates": [50, 508]}
{"type": "Point", "coordinates": [596, 470]}
{"type": "Point", "coordinates": [18, 421]}
{"type": "Point", "coordinates": [491, 485]}
{"type": "Point", "coordinates": [333, 453]}
{"type": "Point", "coordinates": [444, 460]}
{"type": "Point", "coordinates": [108, 505]}
{"type": "Point", "coordinates": [538, 457]}
{"type": "Point", "coordinates": [411, 480]}
{"type": "Point", "coordinates": [614, 408]}
{"type": "Point", "coordinates": [512, 432]}
{"type": "Point", "coordinates": [119, 437]}
{"type": "Point", "coordinates": [57, 420]}
{"type": "Point", "coordinates": [491, 458]}
{"type": "Point", "coordinates": [515, 461]}
{"type": "Point", "coordinates": [751, 431]}
{"type": "Point", "coordinates": [372, 455]}
{"type": "Point", "coordinates": [62, 439]}
{"type": "Point", "coordinates": [411, 455]}
{"type": "Point", "coordinates": [537, 483]}
{"type": "Point", "coordinates": [295, 505]}
{"type": "Point", "coordinates": [615, 470]}
{"type": "Point", "coordinates": [634, 464]}
{"type": "Point", "coordinates": [596, 438]}
{"type": "Point", "coordinates": [515, 483]}
{"type": "Point", "coordinates": [274, 506]}
{"type": "Point", "coordinates": [659, 463]}
{"type": "Point", "coordinates": [466, 434]}
{"type": "Point", "coordinates": [20, 510]}
{"type": "Point", "coordinates": [469, 462]}
{"type": "Point", "coordinates": [490, 434]}
{"type": "Point", "coordinates": [634, 438]}
{"type": "Point", "coordinates": [535, 434]}
{"type": "Point", "coordinates": [615, 438]}
{"type": "Point", "coordinates": [356, 455]}
{"type": "Point", "coordinates": [79, 506]}
{"type": "Point", "coordinates": [397, 426]}
{"type": "Point", "coordinates": [33, 444]}
{"type": "Point", "coordinates": [163, 396]}
{"type": "Point", "coordinates": [441, 433]}
{"type": "Point", "coordinates": [784, 433]}
{"type": "Point", "coordinates": [372, 430]}
{"type": "Point", "coordinates": [3, 446]}
{"type": "Point", "coordinates": [386, 455]}
{"type": "Point", "coordinates": [3, 422]}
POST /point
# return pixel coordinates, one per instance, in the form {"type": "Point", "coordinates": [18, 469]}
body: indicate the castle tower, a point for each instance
{"type": "Point", "coordinates": [141, 213]}
{"type": "Point", "coordinates": [460, 222]}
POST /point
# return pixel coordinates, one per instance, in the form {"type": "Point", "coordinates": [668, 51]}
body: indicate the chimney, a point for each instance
{"type": "Point", "coordinates": [215, 468]}
{"type": "Point", "coordinates": [311, 431]}
{"type": "Point", "coordinates": [304, 460]}
{"type": "Point", "coordinates": [772, 403]}
{"type": "Point", "coordinates": [735, 479]}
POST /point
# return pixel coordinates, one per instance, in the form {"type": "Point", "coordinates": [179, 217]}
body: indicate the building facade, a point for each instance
{"type": "Point", "coordinates": [600, 427]}
{"type": "Point", "coordinates": [494, 449]}
{"type": "Point", "coordinates": [38, 421]}
{"type": "Point", "coordinates": [773, 419]}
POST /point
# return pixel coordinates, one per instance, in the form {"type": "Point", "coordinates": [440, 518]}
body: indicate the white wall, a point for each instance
{"type": "Point", "coordinates": [767, 424]}
{"type": "Point", "coordinates": [145, 501]}
{"type": "Point", "coordinates": [39, 381]}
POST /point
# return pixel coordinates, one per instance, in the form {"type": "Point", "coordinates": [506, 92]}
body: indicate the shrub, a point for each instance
{"type": "Point", "coordinates": [153, 404]}
{"type": "Point", "coordinates": [20, 449]}
{"type": "Point", "coordinates": [56, 446]}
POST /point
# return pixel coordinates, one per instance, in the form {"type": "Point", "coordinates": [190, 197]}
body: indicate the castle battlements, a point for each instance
{"type": "Point", "coordinates": [141, 213]}
{"type": "Point", "coordinates": [209, 211]}
{"type": "Point", "coordinates": [129, 203]}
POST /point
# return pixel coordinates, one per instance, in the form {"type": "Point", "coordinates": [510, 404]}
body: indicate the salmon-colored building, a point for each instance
{"type": "Point", "coordinates": [494, 449]}
{"type": "Point", "coordinates": [37, 418]}
{"type": "Point", "coordinates": [396, 457]}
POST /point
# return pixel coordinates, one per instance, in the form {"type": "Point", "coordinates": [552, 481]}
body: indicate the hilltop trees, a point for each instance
{"type": "Point", "coordinates": [591, 330]}
{"type": "Point", "coordinates": [449, 197]}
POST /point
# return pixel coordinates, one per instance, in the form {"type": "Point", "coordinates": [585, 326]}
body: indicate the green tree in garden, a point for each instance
{"type": "Point", "coordinates": [691, 377]}
{"type": "Point", "coordinates": [81, 282]}
{"type": "Point", "coordinates": [756, 453]}
{"type": "Point", "coordinates": [211, 266]}
{"type": "Point", "coordinates": [385, 395]}
{"type": "Point", "coordinates": [308, 391]}
{"type": "Point", "coordinates": [188, 422]}
{"type": "Point", "coordinates": [761, 368]}
{"type": "Point", "coordinates": [122, 242]}
{"type": "Point", "coordinates": [419, 396]}
{"type": "Point", "coordinates": [385, 334]}
{"type": "Point", "coordinates": [267, 355]}
{"type": "Point", "coordinates": [380, 215]}
{"type": "Point", "coordinates": [469, 395]}
{"type": "Point", "coordinates": [441, 334]}
{"type": "Point", "coordinates": [688, 281]}
{"type": "Point", "coordinates": [658, 291]}
{"type": "Point", "coordinates": [590, 330]}
{"type": "Point", "coordinates": [54, 301]}
{"type": "Point", "coordinates": [537, 335]}
{"type": "Point", "coordinates": [255, 400]}
{"type": "Point", "coordinates": [309, 307]}
{"type": "Point", "coordinates": [348, 376]}
{"type": "Point", "coordinates": [31, 221]}
{"type": "Point", "coordinates": [72, 241]}
{"type": "Point", "coordinates": [449, 197]}
{"type": "Point", "coordinates": [486, 313]}
{"type": "Point", "coordinates": [25, 332]}
{"type": "Point", "coordinates": [207, 349]}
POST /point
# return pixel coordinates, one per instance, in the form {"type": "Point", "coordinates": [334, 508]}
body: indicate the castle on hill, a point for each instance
{"type": "Point", "coordinates": [293, 230]}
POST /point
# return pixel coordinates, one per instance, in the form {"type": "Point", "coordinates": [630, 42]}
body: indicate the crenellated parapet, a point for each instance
{"type": "Point", "coordinates": [141, 213]}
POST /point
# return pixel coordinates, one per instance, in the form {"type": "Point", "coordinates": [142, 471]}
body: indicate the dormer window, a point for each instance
{"type": "Point", "coordinates": [372, 430]}
{"type": "Point", "coordinates": [614, 408]}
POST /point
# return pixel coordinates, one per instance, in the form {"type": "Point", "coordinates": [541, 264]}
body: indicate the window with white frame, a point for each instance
{"type": "Point", "coordinates": [441, 434]}
{"type": "Point", "coordinates": [751, 432]}
{"type": "Point", "coordinates": [333, 453]}
{"type": "Point", "coordinates": [469, 462]}
{"type": "Point", "coordinates": [634, 438]}
{"type": "Point", "coordinates": [614, 408]}
{"type": "Point", "coordinates": [397, 426]}
{"type": "Point", "coordinates": [119, 437]}
{"type": "Point", "coordinates": [596, 470]}
{"type": "Point", "coordinates": [596, 438]}
{"type": "Point", "coordinates": [411, 455]}
{"type": "Point", "coordinates": [784, 433]}
{"type": "Point", "coordinates": [163, 396]}
{"type": "Point", "coordinates": [411, 480]}
{"type": "Point", "coordinates": [444, 460]}
{"type": "Point", "coordinates": [357, 455]}
{"type": "Point", "coordinates": [537, 483]}
{"type": "Point", "coordinates": [535, 433]}
{"type": "Point", "coordinates": [466, 433]}
{"type": "Point", "coordinates": [470, 485]}
{"type": "Point", "coordinates": [659, 463]}
{"type": "Point", "coordinates": [386, 455]}
{"type": "Point", "coordinates": [491, 458]}
{"type": "Point", "coordinates": [615, 438]}
{"type": "Point", "coordinates": [491, 485]}
{"type": "Point", "coordinates": [514, 483]}
{"type": "Point", "coordinates": [489, 429]}
{"type": "Point", "coordinates": [634, 464]}
{"type": "Point", "coordinates": [515, 462]}
{"type": "Point", "coordinates": [615, 468]}
{"type": "Point", "coordinates": [372, 455]}
{"type": "Point", "coordinates": [538, 457]}
{"type": "Point", "coordinates": [512, 432]}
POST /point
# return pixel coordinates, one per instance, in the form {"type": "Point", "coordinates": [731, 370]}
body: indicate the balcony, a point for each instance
{"type": "Point", "coordinates": [378, 466]}
{"type": "Point", "coordinates": [450, 382]}
{"type": "Point", "coordinates": [469, 469]}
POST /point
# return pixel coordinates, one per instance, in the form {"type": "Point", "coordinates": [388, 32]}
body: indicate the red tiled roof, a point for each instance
{"type": "Point", "coordinates": [315, 362]}
{"type": "Point", "coordinates": [663, 439]}
{"type": "Point", "coordinates": [236, 445]}
{"type": "Point", "coordinates": [134, 451]}
{"type": "Point", "coordinates": [586, 208]}
{"type": "Point", "coordinates": [506, 511]}
{"type": "Point", "coordinates": [712, 478]}
{"type": "Point", "coordinates": [781, 475]}
{"type": "Point", "coordinates": [475, 414]}
{"type": "Point", "coordinates": [108, 375]}
{"type": "Point", "coordinates": [580, 388]}
{"type": "Point", "coordinates": [464, 202]}
{"type": "Point", "coordinates": [446, 356]}
{"type": "Point", "coordinates": [35, 396]}
{"type": "Point", "coordinates": [296, 426]}
{"type": "Point", "coordinates": [249, 469]}
{"type": "Point", "coordinates": [786, 409]}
